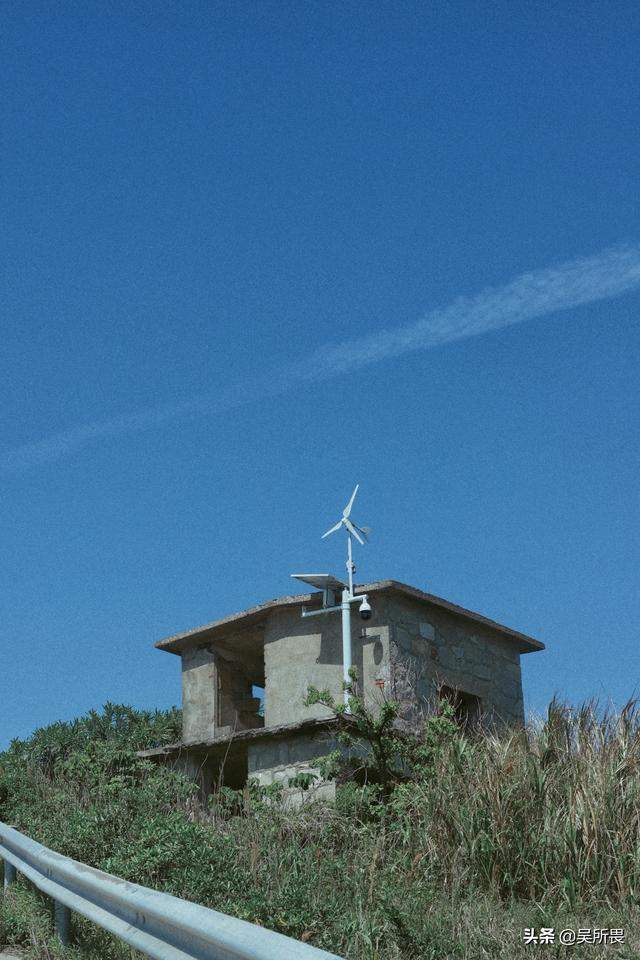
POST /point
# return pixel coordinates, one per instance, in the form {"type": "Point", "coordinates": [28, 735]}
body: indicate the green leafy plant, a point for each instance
{"type": "Point", "coordinates": [438, 845]}
{"type": "Point", "coordinates": [302, 781]}
{"type": "Point", "coordinates": [371, 748]}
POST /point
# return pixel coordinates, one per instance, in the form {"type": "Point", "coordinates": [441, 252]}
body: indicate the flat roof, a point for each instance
{"type": "Point", "coordinates": [255, 615]}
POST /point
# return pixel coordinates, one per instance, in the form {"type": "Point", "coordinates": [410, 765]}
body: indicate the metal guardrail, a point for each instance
{"type": "Point", "coordinates": [152, 922]}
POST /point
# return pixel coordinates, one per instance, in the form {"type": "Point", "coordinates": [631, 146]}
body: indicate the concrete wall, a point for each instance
{"type": "Point", "coordinates": [301, 652]}
{"type": "Point", "coordinates": [408, 646]}
{"type": "Point", "coordinates": [199, 703]}
{"type": "Point", "coordinates": [216, 696]}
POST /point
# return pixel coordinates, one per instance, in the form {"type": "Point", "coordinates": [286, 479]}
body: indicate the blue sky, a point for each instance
{"type": "Point", "coordinates": [206, 205]}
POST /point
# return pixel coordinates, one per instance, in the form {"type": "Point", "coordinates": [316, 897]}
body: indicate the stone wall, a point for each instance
{"type": "Point", "coordinates": [405, 650]}
{"type": "Point", "coordinates": [280, 759]}
{"type": "Point", "coordinates": [430, 646]}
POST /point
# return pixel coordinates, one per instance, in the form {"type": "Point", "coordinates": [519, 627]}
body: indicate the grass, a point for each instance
{"type": "Point", "coordinates": [486, 836]}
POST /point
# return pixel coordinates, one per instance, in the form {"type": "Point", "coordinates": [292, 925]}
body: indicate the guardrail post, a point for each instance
{"type": "Point", "coordinates": [150, 921]}
{"type": "Point", "coordinates": [9, 874]}
{"type": "Point", "coordinates": [62, 922]}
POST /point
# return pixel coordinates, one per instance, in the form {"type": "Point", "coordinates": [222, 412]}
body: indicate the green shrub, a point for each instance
{"type": "Point", "coordinates": [462, 843]}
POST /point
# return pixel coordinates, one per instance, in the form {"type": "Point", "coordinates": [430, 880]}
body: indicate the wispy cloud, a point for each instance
{"type": "Point", "coordinates": [537, 294]}
{"type": "Point", "coordinates": [531, 295]}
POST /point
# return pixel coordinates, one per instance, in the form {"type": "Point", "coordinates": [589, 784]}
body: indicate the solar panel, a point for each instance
{"type": "Point", "coordinates": [321, 581]}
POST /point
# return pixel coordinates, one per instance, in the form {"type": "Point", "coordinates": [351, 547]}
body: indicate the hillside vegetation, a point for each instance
{"type": "Point", "coordinates": [461, 844]}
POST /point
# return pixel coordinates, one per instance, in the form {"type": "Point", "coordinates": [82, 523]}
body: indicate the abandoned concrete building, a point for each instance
{"type": "Point", "coordinates": [245, 678]}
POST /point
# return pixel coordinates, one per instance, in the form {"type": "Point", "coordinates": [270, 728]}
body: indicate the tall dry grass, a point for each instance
{"type": "Point", "coordinates": [490, 833]}
{"type": "Point", "coordinates": [550, 813]}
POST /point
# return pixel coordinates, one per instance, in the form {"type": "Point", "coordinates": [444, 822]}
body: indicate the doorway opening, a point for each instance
{"type": "Point", "coordinates": [466, 706]}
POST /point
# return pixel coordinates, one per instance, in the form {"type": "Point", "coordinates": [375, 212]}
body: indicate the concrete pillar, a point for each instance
{"type": "Point", "coordinates": [199, 695]}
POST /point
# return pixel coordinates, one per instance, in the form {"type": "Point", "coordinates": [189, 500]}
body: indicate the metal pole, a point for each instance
{"type": "Point", "coordinates": [346, 642]}
{"type": "Point", "coordinates": [62, 922]}
{"type": "Point", "coordinates": [9, 874]}
{"type": "Point", "coordinates": [350, 566]}
{"type": "Point", "coordinates": [347, 596]}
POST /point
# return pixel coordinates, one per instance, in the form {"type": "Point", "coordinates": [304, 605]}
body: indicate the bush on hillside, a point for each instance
{"type": "Point", "coordinates": [523, 829]}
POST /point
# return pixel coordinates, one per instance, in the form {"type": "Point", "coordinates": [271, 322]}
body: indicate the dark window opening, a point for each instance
{"type": "Point", "coordinates": [467, 707]}
{"type": "Point", "coordinates": [228, 770]}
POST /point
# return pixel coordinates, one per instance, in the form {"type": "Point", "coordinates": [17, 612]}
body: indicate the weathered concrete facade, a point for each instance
{"type": "Point", "coordinates": [216, 694]}
{"type": "Point", "coordinates": [280, 759]}
{"type": "Point", "coordinates": [414, 648]}
{"type": "Point", "coordinates": [299, 653]}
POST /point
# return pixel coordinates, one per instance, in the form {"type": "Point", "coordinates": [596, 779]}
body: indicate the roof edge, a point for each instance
{"type": "Point", "coordinates": [529, 644]}
{"type": "Point", "coordinates": [180, 642]}
{"type": "Point", "coordinates": [241, 736]}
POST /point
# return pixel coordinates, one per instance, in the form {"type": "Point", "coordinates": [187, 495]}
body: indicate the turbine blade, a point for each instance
{"type": "Point", "coordinates": [332, 530]}
{"type": "Point", "coordinates": [352, 530]}
{"type": "Point", "coordinates": [347, 509]}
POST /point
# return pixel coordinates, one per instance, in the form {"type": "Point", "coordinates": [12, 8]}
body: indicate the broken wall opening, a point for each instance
{"type": "Point", "coordinates": [258, 692]}
{"type": "Point", "coordinates": [240, 684]}
{"type": "Point", "coordinates": [227, 770]}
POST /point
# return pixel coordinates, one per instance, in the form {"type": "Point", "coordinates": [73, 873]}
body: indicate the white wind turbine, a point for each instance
{"type": "Point", "coordinates": [353, 530]}
{"type": "Point", "coordinates": [329, 586]}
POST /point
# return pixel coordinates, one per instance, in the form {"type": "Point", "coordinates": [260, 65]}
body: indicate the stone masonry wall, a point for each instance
{"type": "Point", "coordinates": [281, 759]}
{"type": "Point", "coordinates": [430, 646]}
{"type": "Point", "coordinates": [406, 649]}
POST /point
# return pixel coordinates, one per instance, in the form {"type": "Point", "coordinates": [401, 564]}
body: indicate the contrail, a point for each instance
{"type": "Point", "coordinates": [531, 295]}
{"type": "Point", "coordinates": [537, 294]}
